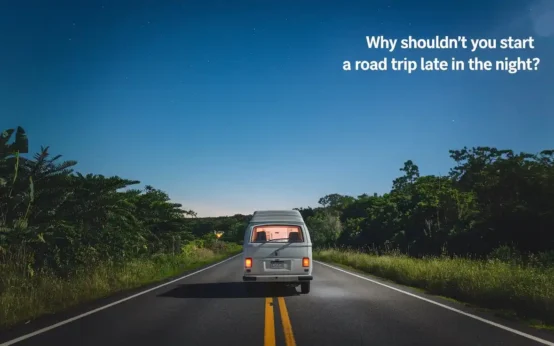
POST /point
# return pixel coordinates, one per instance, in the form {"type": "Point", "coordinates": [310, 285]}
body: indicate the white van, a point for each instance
{"type": "Point", "coordinates": [278, 248]}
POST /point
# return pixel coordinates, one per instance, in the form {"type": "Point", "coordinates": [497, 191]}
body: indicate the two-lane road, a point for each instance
{"type": "Point", "coordinates": [212, 307]}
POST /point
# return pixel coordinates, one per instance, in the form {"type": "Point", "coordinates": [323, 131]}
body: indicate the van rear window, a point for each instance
{"type": "Point", "coordinates": [277, 233]}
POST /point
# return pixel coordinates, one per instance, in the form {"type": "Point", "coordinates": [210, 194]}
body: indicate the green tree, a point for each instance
{"type": "Point", "coordinates": [325, 227]}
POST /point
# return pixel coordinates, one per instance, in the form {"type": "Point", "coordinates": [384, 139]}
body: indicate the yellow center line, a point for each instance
{"type": "Point", "coordinates": [287, 326]}
{"type": "Point", "coordinates": [269, 329]}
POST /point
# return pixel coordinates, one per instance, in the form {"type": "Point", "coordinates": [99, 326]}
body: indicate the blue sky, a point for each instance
{"type": "Point", "coordinates": [236, 106]}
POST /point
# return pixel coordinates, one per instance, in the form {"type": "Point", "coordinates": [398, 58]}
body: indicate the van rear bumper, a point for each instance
{"type": "Point", "coordinates": [278, 278]}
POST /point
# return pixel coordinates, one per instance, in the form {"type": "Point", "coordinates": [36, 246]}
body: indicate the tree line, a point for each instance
{"type": "Point", "coordinates": [64, 219]}
{"type": "Point", "coordinates": [490, 199]}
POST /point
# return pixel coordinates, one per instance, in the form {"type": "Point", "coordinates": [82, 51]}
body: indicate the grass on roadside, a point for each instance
{"type": "Point", "coordinates": [24, 297]}
{"type": "Point", "coordinates": [527, 291]}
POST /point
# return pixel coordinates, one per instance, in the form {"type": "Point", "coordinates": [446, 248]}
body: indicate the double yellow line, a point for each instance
{"type": "Point", "coordinates": [269, 329]}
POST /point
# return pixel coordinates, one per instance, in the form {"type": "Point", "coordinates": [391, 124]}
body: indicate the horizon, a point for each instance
{"type": "Point", "coordinates": [235, 108]}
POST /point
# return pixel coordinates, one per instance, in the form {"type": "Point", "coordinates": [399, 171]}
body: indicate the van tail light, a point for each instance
{"type": "Point", "coordinates": [305, 262]}
{"type": "Point", "coordinates": [248, 262]}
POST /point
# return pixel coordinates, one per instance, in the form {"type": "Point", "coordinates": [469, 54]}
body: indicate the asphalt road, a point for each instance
{"type": "Point", "coordinates": [212, 307]}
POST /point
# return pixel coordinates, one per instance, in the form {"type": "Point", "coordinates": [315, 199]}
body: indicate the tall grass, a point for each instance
{"type": "Point", "coordinates": [525, 289]}
{"type": "Point", "coordinates": [25, 294]}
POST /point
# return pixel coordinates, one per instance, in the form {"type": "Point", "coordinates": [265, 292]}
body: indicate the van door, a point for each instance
{"type": "Point", "coordinates": [278, 249]}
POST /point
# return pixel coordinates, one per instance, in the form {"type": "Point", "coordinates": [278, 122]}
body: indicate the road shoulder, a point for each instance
{"type": "Point", "coordinates": [444, 302]}
{"type": "Point", "coordinates": [87, 308]}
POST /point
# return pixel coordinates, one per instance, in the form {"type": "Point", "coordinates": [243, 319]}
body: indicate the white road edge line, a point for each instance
{"type": "Point", "coordinates": [40, 331]}
{"type": "Point", "coordinates": [525, 335]}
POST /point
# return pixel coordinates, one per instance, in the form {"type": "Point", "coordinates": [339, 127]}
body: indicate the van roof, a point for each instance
{"type": "Point", "coordinates": [277, 216]}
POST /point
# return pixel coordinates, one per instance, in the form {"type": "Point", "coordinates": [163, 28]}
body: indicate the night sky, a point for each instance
{"type": "Point", "coordinates": [233, 106]}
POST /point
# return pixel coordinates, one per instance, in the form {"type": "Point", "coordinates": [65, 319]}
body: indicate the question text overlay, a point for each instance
{"type": "Point", "coordinates": [511, 65]}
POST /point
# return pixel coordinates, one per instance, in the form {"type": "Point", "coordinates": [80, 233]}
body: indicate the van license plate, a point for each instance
{"type": "Point", "coordinates": [277, 265]}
